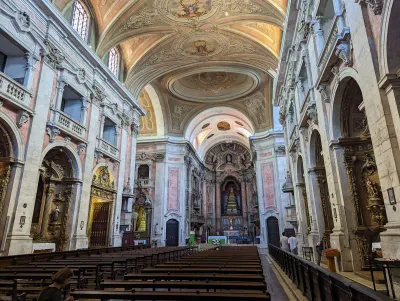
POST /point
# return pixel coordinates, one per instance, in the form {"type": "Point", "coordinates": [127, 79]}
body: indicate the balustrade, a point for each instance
{"type": "Point", "coordinates": [107, 148]}
{"type": "Point", "coordinates": [317, 283]}
{"type": "Point", "coordinates": [67, 124]}
{"type": "Point", "coordinates": [14, 92]}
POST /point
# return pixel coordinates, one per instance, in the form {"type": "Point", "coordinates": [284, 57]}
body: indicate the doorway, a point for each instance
{"type": "Point", "coordinates": [98, 237]}
{"type": "Point", "coordinates": [273, 231]}
{"type": "Point", "coordinates": [172, 233]}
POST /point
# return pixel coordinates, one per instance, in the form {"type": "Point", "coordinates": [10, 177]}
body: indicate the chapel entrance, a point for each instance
{"type": "Point", "coordinates": [273, 231]}
{"type": "Point", "coordinates": [365, 208]}
{"type": "Point", "coordinates": [172, 233]}
{"type": "Point", "coordinates": [102, 200]}
{"type": "Point", "coordinates": [53, 202]}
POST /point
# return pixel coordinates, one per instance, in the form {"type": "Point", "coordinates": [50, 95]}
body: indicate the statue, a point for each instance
{"type": "Point", "coordinates": [372, 190]}
{"type": "Point", "coordinates": [56, 214]}
{"type": "Point", "coordinates": [228, 158]}
{"type": "Point", "coordinates": [231, 207]}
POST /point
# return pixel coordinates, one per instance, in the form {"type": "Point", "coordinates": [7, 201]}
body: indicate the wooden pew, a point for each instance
{"type": "Point", "coordinates": [135, 295]}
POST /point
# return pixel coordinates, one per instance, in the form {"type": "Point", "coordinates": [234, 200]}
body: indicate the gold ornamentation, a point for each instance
{"type": "Point", "coordinates": [223, 126]}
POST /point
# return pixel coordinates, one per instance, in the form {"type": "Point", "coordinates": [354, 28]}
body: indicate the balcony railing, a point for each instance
{"type": "Point", "coordinates": [317, 283]}
{"type": "Point", "coordinates": [107, 148]}
{"type": "Point", "coordinates": [14, 92]}
{"type": "Point", "coordinates": [144, 183]}
{"type": "Point", "coordinates": [67, 124]}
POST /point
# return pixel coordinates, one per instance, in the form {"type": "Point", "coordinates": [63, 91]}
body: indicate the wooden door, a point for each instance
{"type": "Point", "coordinates": [98, 236]}
{"type": "Point", "coordinates": [172, 233]}
{"type": "Point", "coordinates": [273, 231]}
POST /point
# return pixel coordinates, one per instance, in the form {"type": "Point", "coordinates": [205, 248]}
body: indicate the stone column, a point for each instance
{"type": "Point", "coordinates": [244, 203]}
{"type": "Point", "coordinates": [303, 214]}
{"type": "Point", "coordinates": [117, 238]}
{"type": "Point", "coordinates": [318, 34]}
{"type": "Point", "coordinates": [160, 198]}
{"type": "Point", "coordinates": [315, 208]}
{"type": "Point", "coordinates": [31, 61]}
{"type": "Point", "coordinates": [19, 239]}
{"type": "Point", "coordinates": [47, 210]}
{"type": "Point", "coordinates": [218, 207]}
{"type": "Point", "coordinates": [80, 238]}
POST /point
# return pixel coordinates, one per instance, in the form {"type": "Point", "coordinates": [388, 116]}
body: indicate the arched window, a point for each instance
{"type": "Point", "coordinates": [80, 20]}
{"type": "Point", "coordinates": [113, 61]}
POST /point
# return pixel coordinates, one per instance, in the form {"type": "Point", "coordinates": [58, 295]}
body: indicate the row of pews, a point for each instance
{"type": "Point", "coordinates": [225, 273]}
{"type": "Point", "coordinates": [23, 277]}
{"type": "Point", "coordinates": [140, 273]}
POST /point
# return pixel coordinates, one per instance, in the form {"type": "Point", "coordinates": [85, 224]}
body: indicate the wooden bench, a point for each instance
{"type": "Point", "coordinates": [189, 277]}
{"type": "Point", "coordinates": [139, 295]}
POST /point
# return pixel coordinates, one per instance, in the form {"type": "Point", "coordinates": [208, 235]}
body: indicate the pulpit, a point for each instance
{"type": "Point", "coordinates": [330, 254]}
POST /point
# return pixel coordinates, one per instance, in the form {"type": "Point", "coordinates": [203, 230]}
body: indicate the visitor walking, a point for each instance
{"type": "Point", "coordinates": [319, 248]}
{"type": "Point", "coordinates": [53, 291]}
{"type": "Point", "coordinates": [284, 242]}
{"type": "Point", "coordinates": [293, 244]}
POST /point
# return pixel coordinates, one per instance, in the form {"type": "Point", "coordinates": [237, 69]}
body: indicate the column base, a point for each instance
{"type": "Point", "coordinates": [79, 241]}
{"type": "Point", "coordinates": [19, 244]}
{"type": "Point", "coordinates": [339, 241]}
{"type": "Point", "coordinates": [117, 240]}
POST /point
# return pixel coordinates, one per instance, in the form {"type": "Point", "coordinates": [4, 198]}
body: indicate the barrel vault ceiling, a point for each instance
{"type": "Point", "coordinates": [196, 55]}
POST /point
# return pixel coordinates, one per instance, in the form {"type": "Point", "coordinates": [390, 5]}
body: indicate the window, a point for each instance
{"type": "Point", "coordinates": [143, 172]}
{"type": "Point", "coordinates": [71, 104]}
{"type": "Point", "coordinates": [110, 132]}
{"type": "Point", "coordinates": [3, 59]}
{"type": "Point", "coordinates": [113, 61]}
{"type": "Point", "coordinates": [80, 20]}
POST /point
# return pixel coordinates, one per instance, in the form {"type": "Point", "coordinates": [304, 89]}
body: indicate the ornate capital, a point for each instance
{"type": "Point", "coordinates": [97, 95]}
{"type": "Point", "coordinates": [53, 56]}
{"type": "Point", "coordinates": [53, 132]}
{"type": "Point", "coordinates": [312, 113]}
{"type": "Point", "coordinates": [280, 150]}
{"type": "Point", "coordinates": [81, 148]}
{"type": "Point", "coordinates": [323, 90]}
{"type": "Point", "coordinates": [343, 51]}
{"type": "Point", "coordinates": [23, 118]}
{"type": "Point", "coordinates": [134, 129]}
{"type": "Point", "coordinates": [375, 5]}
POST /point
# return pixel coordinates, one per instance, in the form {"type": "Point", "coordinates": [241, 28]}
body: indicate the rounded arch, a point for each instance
{"type": "Point", "coordinates": [17, 146]}
{"type": "Point", "coordinates": [315, 140]}
{"type": "Point", "coordinates": [71, 153]}
{"type": "Point", "coordinates": [159, 115]}
{"type": "Point", "coordinates": [300, 170]}
{"type": "Point", "coordinates": [389, 44]}
{"type": "Point", "coordinates": [345, 75]}
{"type": "Point", "coordinates": [98, 167]}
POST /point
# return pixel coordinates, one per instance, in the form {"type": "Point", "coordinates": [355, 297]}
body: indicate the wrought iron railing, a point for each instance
{"type": "Point", "coordinates": [316, 283]}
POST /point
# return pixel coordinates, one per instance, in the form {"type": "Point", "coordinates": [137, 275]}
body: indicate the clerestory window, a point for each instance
{"type": "Point", "coordinates": [113, 61]}
{"type": "Point", "coordinates": [80, 20]}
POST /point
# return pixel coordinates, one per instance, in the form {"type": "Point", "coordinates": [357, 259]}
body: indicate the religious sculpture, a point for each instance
{"type": "Point", "coordinates": [56, 214]}
{"type": "Point", "coordinates": [228, 158]}
{"type": "Point", "coordinates": [231, 207]}
{"type": "Point", "coordinates": [375, 205]}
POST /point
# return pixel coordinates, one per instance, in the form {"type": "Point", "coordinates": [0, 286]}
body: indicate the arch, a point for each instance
{"type": "Point", "coordinates": [272, 225]}
{"type": "Point", "coordinates": [172, 232]}
{"type": "Point", "coordinates": [345, 75]}
{"type": "Point", "coordinates": [300, 170]}
{"type": "Point", "coordinates": [72, 154]}
{"type": "Point", "coordinates": [314, 140]}
{"type": "Point", "coordinates": [156, 104]}
{"type": "Point", "coordinates": [389, 44]}
{"type": "Point", "coordinates": [17, 146]}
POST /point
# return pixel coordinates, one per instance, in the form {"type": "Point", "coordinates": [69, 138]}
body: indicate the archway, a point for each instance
{"type": "Point", "coordinates": [368, 214]}
{"type": "Point", "coordinates": [273, 231]}
{"type": "Point", "coordinates": [101, 207]}
{"type": "Point", "coordinates": [172, 233]}
{"type": "Point", "coordinates": [54, 199]}
{"type": "Point", "coordinates": [318, 166]}
{"type": "Point", "coordinates": [6, 160]}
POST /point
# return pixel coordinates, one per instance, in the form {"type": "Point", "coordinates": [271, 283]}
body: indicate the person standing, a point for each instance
{"type": "Point", "coordinates": [319, 248]}
{"type": "Point", "coordinates": [293, 244]}
{"type": "Point", "coordinates": [284, 242]}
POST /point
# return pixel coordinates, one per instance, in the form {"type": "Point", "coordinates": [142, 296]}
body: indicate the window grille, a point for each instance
{"type": "Point", "coordinates": [113, 61]}
{"type": "Point", "coordinates": [80, 20]}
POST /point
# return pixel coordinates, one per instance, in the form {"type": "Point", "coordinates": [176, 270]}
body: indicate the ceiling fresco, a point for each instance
{"type": "Point", "coordinates": [197, 54]}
